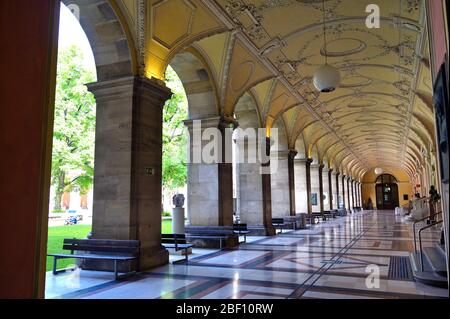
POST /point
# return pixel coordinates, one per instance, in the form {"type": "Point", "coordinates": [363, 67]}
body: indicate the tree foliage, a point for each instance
{"type": "Point", "coordinates": [174, 137]}
{"type": "Point", "coordinates": [74, 126]}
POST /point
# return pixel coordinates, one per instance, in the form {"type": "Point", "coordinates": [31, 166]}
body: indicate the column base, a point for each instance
{"type": "Point", "coordinates": [149, 258]}
{"type": "Point", "coordinates": [260, 230]}
{"type": "Point", "coordinates": [153, 257]}
{"type": "Point", "coordinates": [204, 236]}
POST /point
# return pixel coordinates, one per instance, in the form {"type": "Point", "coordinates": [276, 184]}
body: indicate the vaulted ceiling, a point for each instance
{"type": "Point", "coordinates": [380, 116]}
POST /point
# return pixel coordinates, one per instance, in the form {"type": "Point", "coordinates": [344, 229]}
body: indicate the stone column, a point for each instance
{"type": "Point", "coordinates": [210, 184]}
{"type": "Point", "coordinates": [202, 179]}
{"type": "Point", "coordinates": [225, 170]}
{"type": "Point", "coordinates": [344, 206]}
{"type": "Point", "coordinates": [315, 186]}
{"type": "Point", "coordinates": [301, 193]}
{"type": "Point", "coordinates": [291, 172]}
{"type": "Point", "coordinates": [254, 190]}
{"type": "Point", "coordinates": [308, 185]}
{"type": "Point", "coordinates": [280, 185]}
{"type": "Point", "coordinates": [128, 165]}
{"type": "Point", "coordinates": [336, 183]}
{"type": "Point", "coordinates": [349, 203]}
{"type": "Point", "coordinates": [321, 188]}
{"type": "Point", "coordinates": [360, 194]}
{"type": "Point", "coordinates": [326, 188]}
{"type": "Point", "coordinates": [352, 197]}
{"type": "Point", "coordinates": [330, 188]}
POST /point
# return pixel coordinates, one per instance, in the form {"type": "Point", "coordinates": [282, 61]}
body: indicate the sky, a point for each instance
{"type": "Point", "coordinates": [70, 32]}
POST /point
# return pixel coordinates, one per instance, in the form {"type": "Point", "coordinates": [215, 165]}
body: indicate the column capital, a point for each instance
{"type": "Point", "coordinates": [292, 154]}
{"type": "Point", "coordinates": [125, 88]}
{"type": "Point", "coordinates": [228, 122]}
{"type": "Point", "coordinates": [208, 122]}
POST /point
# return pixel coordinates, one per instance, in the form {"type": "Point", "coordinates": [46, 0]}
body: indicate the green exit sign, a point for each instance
{"type": "Point", "coordinates": [149, 171]}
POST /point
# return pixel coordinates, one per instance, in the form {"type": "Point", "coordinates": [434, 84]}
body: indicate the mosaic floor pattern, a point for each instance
{"type": "Point", "coordinates": [346, 258]}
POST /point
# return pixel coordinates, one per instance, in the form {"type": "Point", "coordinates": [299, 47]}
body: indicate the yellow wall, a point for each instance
{"type": "Point", "coordinates": [404, 186]}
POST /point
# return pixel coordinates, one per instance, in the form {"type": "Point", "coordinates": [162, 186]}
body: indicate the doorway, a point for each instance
{"type": "Point", "coordinates": [387, 192]}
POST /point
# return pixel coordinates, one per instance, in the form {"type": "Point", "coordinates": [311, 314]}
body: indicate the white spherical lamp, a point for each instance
{"type": "Point", "coordinates": [327, 78]}
{"type": "Point", "coordinates": [378, 171]}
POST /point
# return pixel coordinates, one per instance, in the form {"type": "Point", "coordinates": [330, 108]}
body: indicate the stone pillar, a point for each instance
{"type": "Point", "coordinates": [336, 183]}
{"type": "Point", "coordinates": [344, 206]}
{"type": "Point", "coordinates": [225, 169]}
{"type": "Point", "coordinates": [308, 185]}
{"type": "Point", "coordinates": [255, 189]}
{"type": "Point", "coordinates": [301, 194]}
{"type": "Point", "coordinates": [291, 172]}
{"type": "Point", "coordinates": [349, 202]}
{"type": "Point", "coordinates": [352, 195]}
{"type": "Point", "coordinates": [280, 185]}
{"type": "Point", "coordinates": [360, 194]}
{"type": "Point", "coordinates": [128, 164]}
{"type": "Point", "coordinates": [326, 188]}
{"type": "Point", "coordinates": [210, 184]}
{"type": "Point", "coordinates": [315, 187]}
{"type": "Point", "coordinates": [321, 188]}
{"type": "Point", "coordinates": [330, 189]}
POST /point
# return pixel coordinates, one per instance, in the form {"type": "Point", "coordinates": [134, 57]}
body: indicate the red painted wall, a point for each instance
{"type": "Point", "coordinates": [26, 35]}
{"type": "Point", "coordinates": [438, 31]}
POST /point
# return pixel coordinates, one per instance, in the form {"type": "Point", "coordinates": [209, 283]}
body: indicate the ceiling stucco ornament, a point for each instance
{"type": "Point", "coordinates": [237, 9]}
{"type": "Point", "coordinates": [141, 27]}
{"type": "Point", "coordinates": [355, 45]}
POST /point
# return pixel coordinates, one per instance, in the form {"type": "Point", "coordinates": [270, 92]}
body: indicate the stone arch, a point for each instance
{"type": "Point", "coordinates": [198, 85]}
{"type": "Point", "coordinates": [113, 49]}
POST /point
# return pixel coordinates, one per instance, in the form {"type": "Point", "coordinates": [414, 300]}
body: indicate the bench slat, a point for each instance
{"type": "Point", "coordinates": [93, 256]}
{"type": "Point", "coordinates": [108, 249]}
{"type": "Point", "coordinates": [103, 242]}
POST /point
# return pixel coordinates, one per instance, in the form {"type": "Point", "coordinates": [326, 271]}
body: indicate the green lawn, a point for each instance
{"type": "Point", "coordinates": [57, 234]}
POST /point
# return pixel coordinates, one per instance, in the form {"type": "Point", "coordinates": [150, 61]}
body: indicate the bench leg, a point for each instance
{"type": "Point", "coordinates": [115, 270]}
{"type": "Point", "coordinates": [186, 254]}
{"type": "Point", "coordinates": [55, 260]}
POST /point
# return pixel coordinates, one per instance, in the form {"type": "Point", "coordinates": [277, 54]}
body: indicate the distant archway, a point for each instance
{"type": "Point", "coordinates": [386, 189]}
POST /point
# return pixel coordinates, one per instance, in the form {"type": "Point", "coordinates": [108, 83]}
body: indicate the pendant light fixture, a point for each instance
{"type": "Point", "coordinates": [327, 78]}
{"type": "Point", "coordinates": [378, 171]}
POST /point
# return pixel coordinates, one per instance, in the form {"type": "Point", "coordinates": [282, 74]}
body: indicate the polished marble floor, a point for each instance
{"type": "Point", "coordinates": [350, 257]}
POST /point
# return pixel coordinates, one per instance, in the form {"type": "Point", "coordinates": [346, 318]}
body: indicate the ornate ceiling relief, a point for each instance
{"type": "Point", "coordinates": [383, 100]}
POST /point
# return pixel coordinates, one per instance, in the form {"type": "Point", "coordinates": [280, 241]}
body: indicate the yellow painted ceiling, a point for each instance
{"type": "Point", "coordinates": [381, 116]}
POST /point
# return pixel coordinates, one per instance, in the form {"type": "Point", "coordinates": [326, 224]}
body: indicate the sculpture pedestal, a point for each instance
{"type": "Point", "coordinates": [178, 220]}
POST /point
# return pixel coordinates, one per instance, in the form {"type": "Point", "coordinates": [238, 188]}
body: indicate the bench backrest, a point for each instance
{"type": "Point", "coordinates": [173, 239]}
{"type": "Point", "coordinates": [123, 247]}
{"type": "Point", "coordinates": [277, 221]}
{"type": "Point", "coordinates": [240, 227]}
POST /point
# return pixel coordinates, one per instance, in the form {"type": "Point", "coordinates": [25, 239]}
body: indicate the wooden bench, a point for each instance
{"type": "Point", "coordinates": [280, 223]}
{"type": "Point", "coordinates": [241, 229]}
{"type": "Point", "coordinates": [212, 234]}
{"type": "Point", "coordinates": [318, 215]}
{"type": "Point", "coordinates": [177, 241]}
{"type": "Point", "coordinates": [98, 249]}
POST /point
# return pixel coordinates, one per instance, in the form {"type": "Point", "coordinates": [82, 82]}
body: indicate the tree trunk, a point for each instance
{"type": "Point", "coordinates": [59, 191]}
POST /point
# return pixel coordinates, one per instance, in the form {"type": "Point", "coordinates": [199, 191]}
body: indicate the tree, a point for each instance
{"type": "Point", "coordinates": [174, 139]}
{"type": "Point", "coordinates": [74, 126]}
